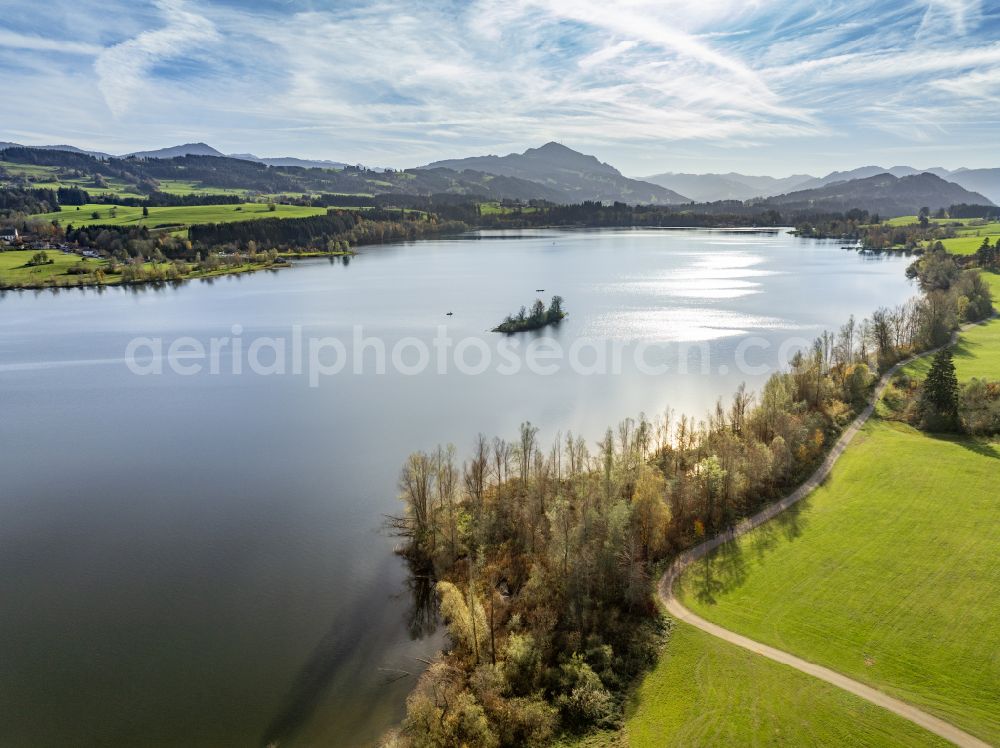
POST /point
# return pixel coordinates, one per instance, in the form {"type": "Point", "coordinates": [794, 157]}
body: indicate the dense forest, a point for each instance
{"type": "Point", "coordinates": [541, 557]}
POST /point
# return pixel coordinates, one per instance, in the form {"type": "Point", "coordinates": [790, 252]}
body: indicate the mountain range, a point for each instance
{"type": "Point", "coordinates": [552, 172]}
{"type": "Point", "coordinates": [191, 149]}
{"type": "Point", "coordinates": [734, 186]}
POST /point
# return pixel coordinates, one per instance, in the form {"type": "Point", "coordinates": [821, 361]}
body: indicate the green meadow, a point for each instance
{"type": "Point", "coordinates": [907, 220]}
{"type": "Point", "coordinates": [977, 354]}
{"type": "Point", "coordinates": [888, 573]}
{"type": "Point", "coordinates": [496, 208]}
{"type": "Point", "coordinates": [967, 245]}
{"type": "Point", "coordinates": [14, 269]}
{"type": "Point", "coordinates": [178, 187]}
{"type": "Point", "coordinates": [969, 236]}
{"type": "Point", "coordinates": [707, 692]}
{"type": "Point", "coordinates": [122, 215]}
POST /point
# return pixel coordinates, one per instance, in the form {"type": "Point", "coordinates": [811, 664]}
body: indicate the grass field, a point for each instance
{"type": "Point", "coordinates": [14, 273]}
{"type": "Point", "coordinates": [907, 220]}
{"type": "Point", "coordinates": [178, 216]}
{"type": "Point", "coordinates": [993, 279]}
{"type": "Point", "coordinates": [964, 245]}
{"type": "Point", "coordinates": [707, 692]}
{"type": "Point", "coordinates": [495, 208]}
{"type": "Point", "coordinates": [888, 573]}
{"type": "Point", "coordinates": [969, 235]}
{"type": "Point", "coordinates": [970, 238]}
{"type": "Point", "coordinates": [178, 187]}
{"type": "Point", "coordinates": [976, 355]}
{"type": "Point", "coordinates": [13, 269]}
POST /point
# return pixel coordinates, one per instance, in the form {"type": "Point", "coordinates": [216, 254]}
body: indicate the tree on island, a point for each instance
{"type": "Point", "coordinates": [538, 318]}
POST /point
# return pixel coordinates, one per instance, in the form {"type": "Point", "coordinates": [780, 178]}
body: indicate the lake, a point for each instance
{"type": "Point", "coordinates": [196, 558]}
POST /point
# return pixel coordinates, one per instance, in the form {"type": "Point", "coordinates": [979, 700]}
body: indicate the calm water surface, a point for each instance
{"type": "Point", "coordinates": [197, 560]}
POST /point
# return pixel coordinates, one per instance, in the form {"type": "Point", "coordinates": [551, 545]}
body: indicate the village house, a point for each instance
{"type": "Point", "coordinates": [9, 235]}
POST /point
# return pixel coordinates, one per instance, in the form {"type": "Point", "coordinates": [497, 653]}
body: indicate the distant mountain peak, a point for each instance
{"type": "Point", "coordinates": [553, 147]}
{"type": "Point", "coordinates": [187, 149]}
{"type": "Point", "coordinates": [576, 176]}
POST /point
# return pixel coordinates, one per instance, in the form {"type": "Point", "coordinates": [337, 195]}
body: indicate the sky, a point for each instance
{"type": "Point", "coordinates": [767, 87]}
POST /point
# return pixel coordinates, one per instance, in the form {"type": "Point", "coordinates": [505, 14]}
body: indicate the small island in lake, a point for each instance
{"type": "Point", "coordinates": [537, 319]}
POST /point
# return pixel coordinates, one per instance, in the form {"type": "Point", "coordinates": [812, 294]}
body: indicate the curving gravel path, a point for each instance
{"type": "Point", "coordinates": [674, 607]}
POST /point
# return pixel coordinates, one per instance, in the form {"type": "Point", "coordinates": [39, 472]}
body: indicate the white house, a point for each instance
{"type": "Point", "coordinates": [9, 235]}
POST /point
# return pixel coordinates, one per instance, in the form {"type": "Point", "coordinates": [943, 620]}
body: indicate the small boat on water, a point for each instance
{"type": "Point", "coordinates": [539, 290]}
{"type": "Point", "coordinates": [448, 314]}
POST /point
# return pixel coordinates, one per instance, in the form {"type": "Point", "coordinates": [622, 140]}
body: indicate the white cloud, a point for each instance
{"type": "Point", "coordinates": [122, 69]}
{"type": "Point", "coordinates": [959, 15]}
{"type": "Point", "coordinates": [13, 40]}
{"type": "Point", "coordinates": [605, 54]}
{"type": "Point", "coordinates": [399, 83]}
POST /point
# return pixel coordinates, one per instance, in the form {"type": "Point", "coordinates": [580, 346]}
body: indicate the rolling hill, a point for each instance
{"type": "Point", "coordinates": [574, 176]}
{"type": "Point", "coordinates": [984, 181]}
{"type": "Point", "coordinates": [68, 148]}
{"type": "Point", "coordinates": [207, 173]}
{"type": "Point", "coordinates": [884, 194]}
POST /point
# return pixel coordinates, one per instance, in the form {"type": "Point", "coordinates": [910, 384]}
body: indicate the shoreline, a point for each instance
{"type": "Point", "coordinates": [116, 281]}
{"type": "Point", "coordinates": [88, 280]}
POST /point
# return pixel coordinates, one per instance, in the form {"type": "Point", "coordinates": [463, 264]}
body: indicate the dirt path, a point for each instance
{"type": "Point", "coordinates": [677, 610]}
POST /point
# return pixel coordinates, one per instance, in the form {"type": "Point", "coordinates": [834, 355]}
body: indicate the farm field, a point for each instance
{"type": "Point", "coordinates": [175, 216]}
